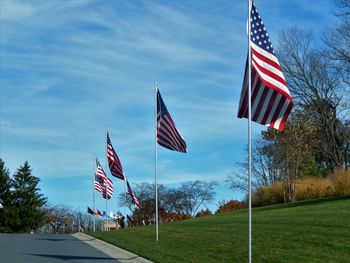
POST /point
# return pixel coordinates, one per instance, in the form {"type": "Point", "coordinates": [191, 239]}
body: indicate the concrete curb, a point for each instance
{"type": "Point", "coordinates": [114, 252]}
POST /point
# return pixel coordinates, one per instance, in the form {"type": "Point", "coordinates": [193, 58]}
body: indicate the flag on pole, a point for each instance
{"type": "Point", "coordinates": [134, 200]}
{"type": "Point", "coordinates": [167, 134]}
{"type": "Point", "coordinates": [89, 210]}
{"type": "Point", "coordinates": [114, 163]}
{"type": "Point", "coordinates": [98, 213]}
{"type": "Point", "coordinates": [110, 188]}
{"type": "Point", "coordinates": [271, 99]}
{"type": "Point", "coordinates": [129, 218]}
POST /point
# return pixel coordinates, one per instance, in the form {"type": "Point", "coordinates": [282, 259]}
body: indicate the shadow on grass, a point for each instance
{"type": "Point", "coordinates": [71, 257]}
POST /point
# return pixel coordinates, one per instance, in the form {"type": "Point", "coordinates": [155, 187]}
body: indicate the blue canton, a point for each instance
{"type": "Point", "coordinates": [258, 33]}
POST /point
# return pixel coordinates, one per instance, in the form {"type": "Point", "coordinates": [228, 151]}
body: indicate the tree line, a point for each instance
{"type": "Point", "coordinates": [316, 140]}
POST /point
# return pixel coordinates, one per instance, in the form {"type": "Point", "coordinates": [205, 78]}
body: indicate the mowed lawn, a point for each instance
{"type": "Point", "coordinates": [316, 231]}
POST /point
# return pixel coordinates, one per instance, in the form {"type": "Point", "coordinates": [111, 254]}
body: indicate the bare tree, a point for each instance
{"type": "Point", "coordinates": [195, 194]}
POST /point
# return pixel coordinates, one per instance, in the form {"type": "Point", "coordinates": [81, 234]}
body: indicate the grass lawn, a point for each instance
{"type": "Point", "coordinates": [316, 231]}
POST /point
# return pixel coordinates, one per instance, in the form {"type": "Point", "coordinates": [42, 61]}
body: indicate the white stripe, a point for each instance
{"type": "Point", "coordinates": [257, 98]}
{"type": "Point", "coordinates": [265, 105]}
{"type": "Point", "coordinates": [281, 114]}
{"type": "Point", "coordinates": [264, 53]}
{"type": "Point", "coordinates": [269, 67]}
{"type": "Point", "coordinates": [273, 109]}
{"type": "Point", "coordinates": [276, 83]}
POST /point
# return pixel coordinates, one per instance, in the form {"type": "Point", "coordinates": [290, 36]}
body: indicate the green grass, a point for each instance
{"type": "Point", "coordinates": [316, 231]}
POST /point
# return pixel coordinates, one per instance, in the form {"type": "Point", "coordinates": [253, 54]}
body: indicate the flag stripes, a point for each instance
{"type": "Point", "coordinates": [134, 200]}
{"type": "Point", "coordinates": [167, 134]}
{"type": "Point", "coordinates": [114, 163]}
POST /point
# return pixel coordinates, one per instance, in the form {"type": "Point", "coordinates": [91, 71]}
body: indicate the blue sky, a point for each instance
{"type": "Point", "coordinates": [69, 68]}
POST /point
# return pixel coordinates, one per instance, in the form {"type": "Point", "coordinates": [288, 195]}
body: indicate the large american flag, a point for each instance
{"type": "Point", "coordinates": [271, 100]}
{"type": "Point", "coordinates": [167, 134]}
{"type": "Point", "coordinates": [114, 163]}
{"type": "Point", "coordinates": [134, 200]}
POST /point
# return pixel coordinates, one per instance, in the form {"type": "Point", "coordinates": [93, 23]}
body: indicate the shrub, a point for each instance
{"type": "Point", "coordinates": [313, 187]}
{"type": "Point", "coordinates": [341, 182]}
{"type": "Point", "coordinates": [268, 195]}
{"type": "Point", "coordinates": [231, 205]}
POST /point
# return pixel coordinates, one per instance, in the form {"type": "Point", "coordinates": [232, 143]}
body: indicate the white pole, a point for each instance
{"type": "Point", "coordinates": [106, 180]}
{"type": "Point", "coordinates": [249, 136]}
{"type": "Point", "coordinates": [126, 187]}
{"type": "Point", "coordinates": [93, 197]}
{"type": "Point", "coordinates": [155, 158]}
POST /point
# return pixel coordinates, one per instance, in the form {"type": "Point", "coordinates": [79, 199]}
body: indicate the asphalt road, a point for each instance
{"type": "Point", "coordinates": [48, 248]}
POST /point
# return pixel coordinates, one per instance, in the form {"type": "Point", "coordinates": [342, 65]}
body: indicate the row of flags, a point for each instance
{"type": "Point", "coordinates": [104, 214]}
{"type": "Point", "coordinates": [103, 184]}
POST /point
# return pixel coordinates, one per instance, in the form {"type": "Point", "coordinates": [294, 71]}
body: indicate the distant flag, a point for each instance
{"type": "Point", "coordinates": [167, 134]}
{"type": "Point", "coordinates": [89, 210]}
{"type": "Point", "coordinates": [111, 215]}
{"type": "Point", "coordinates": [134, 200]}
{"type": "Point", "coordinates": [1, 203]}
{"type": "Point", "coordinates": [104, 214]}
{"type": "Point", "coordinates": [99, 183]}
{"type": "Point", "coordinates": [117, 216]}
{"type": "Point", "coordinates": [130, 219]}
{"type": "Point", "coordinates": [114, 163]}
{"type": "Point", "coordinates": [99, 172]}
{"type": "Point", "coordinates": [271, 99]}
{"type": "Point", "coordinates": [98, 213]}
{"type": "Point", "coordinates": [110, 189]}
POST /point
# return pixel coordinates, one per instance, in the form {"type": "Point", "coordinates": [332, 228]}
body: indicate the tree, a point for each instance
{"type": "Point", "coordinates": [317, 89]}
{"type": "Point", "coordinates": [5, 196]}
{"type": "Point", "coordinates": [195, 194]}
{"type": "Point", "coordinates": [28, 203]}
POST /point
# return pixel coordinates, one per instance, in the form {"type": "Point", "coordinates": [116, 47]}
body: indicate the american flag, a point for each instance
{"type": "Point", "coordinates": [114, 163]}
{"type": "Point", "coordinates": [134, 200]}
{"type": "Point", "coordinates": [100, 177]}
{"type": "Point", "coordinates": [271, 100]}
{"type": "Point", "coordinates": [167, 134]}
{"type": "Point", "coordinates": [109, 188]}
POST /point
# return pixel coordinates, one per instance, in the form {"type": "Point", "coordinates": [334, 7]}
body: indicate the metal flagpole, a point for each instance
{"type": "Point", "coordinates": [106, 177]}
{"type": "Point", "coordinates": [156, 157]}
{"type": "Point", "coordinates": [93, 197]}
{"type": "Point", "coordinates": [249, 135]}
{"type": "Point", "coordinates": [126, 187]}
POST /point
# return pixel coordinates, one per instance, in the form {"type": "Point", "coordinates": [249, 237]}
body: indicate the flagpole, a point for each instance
{"type": "Point", "coordinates": [93, 197]}
{"type": "Point", "coordinates": [249, 135]}
{"type": "Point", "coordinates": [106, 177]}
{"type": "Point", "coordinates": [126, 187]}
{"type": "Point", "coordinates": [156, 157]}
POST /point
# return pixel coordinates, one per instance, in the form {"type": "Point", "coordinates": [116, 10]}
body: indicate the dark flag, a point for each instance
{"type": "Point", "coordinates": [114, 163]}
{"type": "Point", "coordinates": [98, 213]}
{"type": "Point", "coordinates": [134, 200]}
{"type": "Point", "coordinates": [271, 100]}
{"type": "Point", "coordinates": [129, 218]}
{"type": "Point", "coordinates": [167, 134]}
{"type": "Point", "coordinates": [89, 210]}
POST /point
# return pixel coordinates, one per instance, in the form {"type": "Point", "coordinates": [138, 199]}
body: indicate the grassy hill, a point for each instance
{"type": "Point", "coordinates": [316, 231]}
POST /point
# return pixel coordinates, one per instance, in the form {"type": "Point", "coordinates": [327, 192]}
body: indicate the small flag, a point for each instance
{"type": "Point", "coordinates": [167, 134]}
{"type": "Point", "coordinates": [134, 200]}
{"type": "Point", "coordinates": [111, 215]}
{"type": "Point", "coordinates": [98, 213]}
{"type": "Point", "coordinates": [114, 163]}
{"type": "Point", "coordinates": [104, 214]}
{"type": "Point", "coordinates": [271, 100]}
{"type": "Point", "coordinates": [117, 216]}
{"type": "Point", "coordinates": [89, 210]}
{"type": "Point", "coordinates": [110, 189]}
{"type": "Point", "coordinates": [129, 218]}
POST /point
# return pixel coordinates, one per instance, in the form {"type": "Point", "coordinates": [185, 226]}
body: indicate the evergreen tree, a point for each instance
{"type": "Point", "coordinates": [5, 196]}
{"type": "Point", "coordinates": [28, 213]}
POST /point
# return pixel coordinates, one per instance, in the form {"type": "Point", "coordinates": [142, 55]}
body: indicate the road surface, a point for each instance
{"type": "Point", "coordinates": [51, 248]}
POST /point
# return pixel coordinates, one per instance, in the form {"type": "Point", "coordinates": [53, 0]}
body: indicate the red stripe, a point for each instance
{"type": "Point", "coordinates": [266, 59]}
{"type": "Point", "coordinates": [269, 73]}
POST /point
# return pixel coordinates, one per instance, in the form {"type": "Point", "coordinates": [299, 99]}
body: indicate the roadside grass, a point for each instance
{"type": "Point", "coordinates": [314, 231]}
